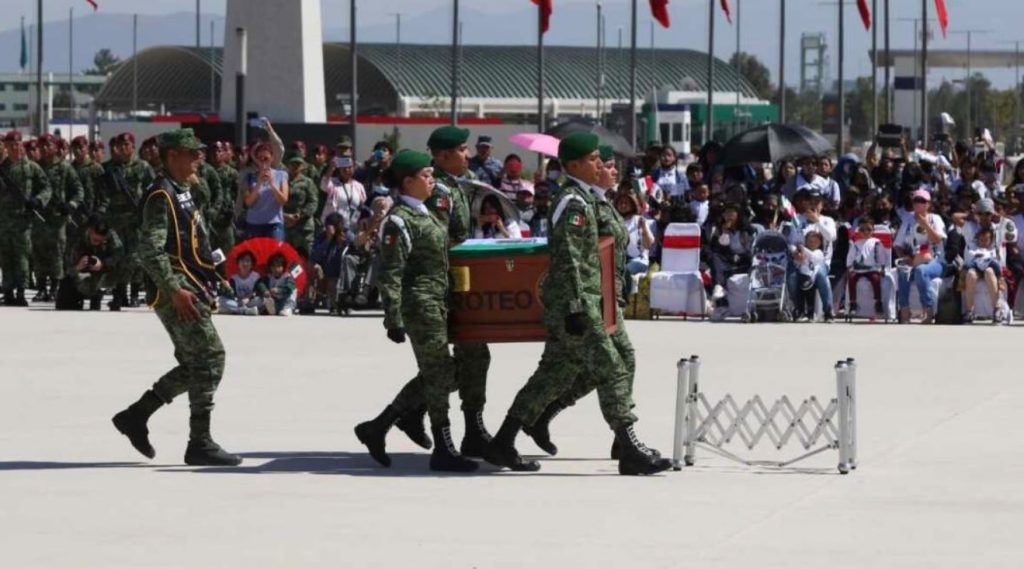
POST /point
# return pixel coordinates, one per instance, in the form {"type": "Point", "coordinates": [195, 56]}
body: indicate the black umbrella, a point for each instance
{"type": "Point", "coordinates": [616, 140]}
{"type": "Point", "coordinates": [773, 142]}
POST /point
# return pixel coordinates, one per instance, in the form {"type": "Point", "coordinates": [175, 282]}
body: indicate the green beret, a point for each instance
{"type": "Point", "coordinates": [180, 138]}
{"type": "Point", "coordinates": [577, 145]}
{"type": "Point", "coordinates": [293, 156]}
{"type": "Point", "coordinates": [344, 141]}
{"type": "Point", "coordinates": [448, 137]}
{"type": "Point", "coordinates": [408, 162]}
{"type": "Point", "coordinates": [607, 152]}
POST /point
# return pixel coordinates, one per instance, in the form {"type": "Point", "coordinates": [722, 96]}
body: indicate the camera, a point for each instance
{"type": "Point", "coordinates": [92, 262]}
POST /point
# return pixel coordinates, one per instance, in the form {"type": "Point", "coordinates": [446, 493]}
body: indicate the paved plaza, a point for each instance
{"type": "Point", "coordinates": [938, 485]}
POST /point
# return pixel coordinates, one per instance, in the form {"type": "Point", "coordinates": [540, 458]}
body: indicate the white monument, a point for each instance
{"type": "Point", "coordinates": [285, 80]}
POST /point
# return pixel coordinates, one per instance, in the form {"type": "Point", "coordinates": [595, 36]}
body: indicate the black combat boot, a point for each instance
{"type": "Point", "coordinates": [539, 431]}
{"type": "Point", "coordinates": [617, 450]}
{"type": "Point", "coordinates": [202, 450]}
{"type": "Point", "coordinates": [19, 298]}
{"type": "Point", "coordinates": [95, 302]}
{"type": "Point", "coordinates": [117, 298]}
{"type": "Point", "coordinates": [635, 457]}
{"type": "Point", "coordinates": [40, 290]}
{"type": "Point", "coordinates": [132, 422]}
{"type": "Point", "coordinates": [502, 450]}
{"type": "Point", "coordinates": [445, 458]}
{"type": "Point", "coordinates": [411, 424]}
{"type": "Point", "coordinates": [374, 432]}
{"type": "Point", "coordinates": [54, 283]}
{"type": "Point", "coordinates": [476, 439]}
{"type": "Point", "coordinates": [9, 297]}
{"type": "Point", "coordinates": [133, 302]}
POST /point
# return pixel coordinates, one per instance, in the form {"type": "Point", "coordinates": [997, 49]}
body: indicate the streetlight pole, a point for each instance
{"type": "Point", "coordinates": [632, 79]}
{"type": "Point", "coordinates": [455, 62]}
{"type": "Point", "coordinates": [354, 85]}
{"type": "Point", "coordinates": [924, 74]}
{"type": "Point", "coordinates": [782, 61]}
{"type": "Point", "coordinates": [874, 67]}
{"type": "Point", "coordinates": [40, 115]}
{"type": "Point", "coordinates": [841, 140]}
{"type": "Point", "coordinates": [710, 128]}
{"type": "Point", "coordinates": [71, 64]}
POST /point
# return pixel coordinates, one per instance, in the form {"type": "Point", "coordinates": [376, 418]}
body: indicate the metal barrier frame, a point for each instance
{"type": "Point", "coordinates": [697, 422]}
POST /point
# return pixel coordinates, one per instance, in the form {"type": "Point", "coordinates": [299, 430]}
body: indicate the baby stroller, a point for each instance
{"type": "Point", "coordinates": [357, 288]}
{"type": "Point", "coordinates": [768, 299]}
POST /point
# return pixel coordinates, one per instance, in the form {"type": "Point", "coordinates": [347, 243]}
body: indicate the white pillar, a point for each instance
{"type": "Point", "coordinates": [906, 93]}
{"type": "Point", "coordinates": [285, 79]}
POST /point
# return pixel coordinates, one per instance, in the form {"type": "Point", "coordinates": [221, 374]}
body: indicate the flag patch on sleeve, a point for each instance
{"type": "Point", "coordinates": [389, 239]}
{"type": "Point", "coordinates": [577, 220]}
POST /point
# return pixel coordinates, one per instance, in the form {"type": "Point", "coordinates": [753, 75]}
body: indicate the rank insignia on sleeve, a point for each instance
{"type": "Point", "coordinates": [577, 220]}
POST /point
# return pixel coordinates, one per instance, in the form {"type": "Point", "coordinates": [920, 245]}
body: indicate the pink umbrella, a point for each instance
{"type": "Point", "coordinates": [536, 142]}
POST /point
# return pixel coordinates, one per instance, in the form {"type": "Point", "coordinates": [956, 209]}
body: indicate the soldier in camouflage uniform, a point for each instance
{"type": "Point", "coordinates": [577, 343]}
{"type": "Point", "coordinates": [24, 191]}
{"type": "Point", "coordinates": [125, 179]}
{"type": "Point", "coordinates": [301, 205]}
{"type": "Point", "coordinates": [609, 224]}
{"type": "Point", "coordinates": [223, 223]}
{"type": "Point", "coordinates": [185, 284]}
{"type": "Point", "coordinates": [90, 174]}
{"type": "Point", "coordinates": [93, 262]}
{"type": "Point", "coordinates": [414, 289]}
{"type": "Point", "coordinates": [472, 359]}
{"type": "Point", "coordinates": [209, 175]}
{"type": "Point", "coordinates": [49, 237]}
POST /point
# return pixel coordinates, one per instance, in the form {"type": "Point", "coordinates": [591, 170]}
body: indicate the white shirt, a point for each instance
{"type": "Point", "coordinates": [672, 180]}
{"type": "Point", "coordinates": [414, 203]}
{"type": "Point", "coordinates": [826, 226]}
{"type": "Point", "coordinates": [864, 254]}
{"type": "Point", "coordinates": [913, 239]}
{"type": "Point", "coordinates": [700, 210]}
{"type": "Point", "coordinates": [344, 198]}
{"type": "Point", "coordinates": [635, 248]}
{"type": "Point", "coordinates": [1005, 231]}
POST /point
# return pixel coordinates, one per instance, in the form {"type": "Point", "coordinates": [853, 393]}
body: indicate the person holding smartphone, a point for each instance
{"type": "Point", "coordinates": [266, 193]}
{"type": "Point", "coordinates": [344, 194]}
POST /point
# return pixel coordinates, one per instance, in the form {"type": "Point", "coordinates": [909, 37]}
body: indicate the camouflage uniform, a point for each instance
{"type": "Point", "coordinates": [21, 181]}
{"type": "Point", "coordinates": [414, 289]}
{"type": "Point", "coordinates": [90, 174]}
{"type": "Point", "coordinates": [223, 222]}
{"type": "Point", "coordinates": [119, 200]}
{"type": "Point", "coordinates": [49, 237]}
{"type": "Point", "coordinates": [170, 266]}
{"type": "Point", "coordinates": [209, 175]}
{"type": "Point", "coordinates": [302, 199]}
{"type": "Point", "coordinates": [472, 359]}
{"type": "Point", "coordinates": [573, 286]}
{"type": "Point", "coordinates": [111, 254]}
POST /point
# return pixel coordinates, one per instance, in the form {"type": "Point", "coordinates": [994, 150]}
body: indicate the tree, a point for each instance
{"type": "Point", "coordinates": [755, 73]}
{"type": "Point", "coordinates": [104, 63]}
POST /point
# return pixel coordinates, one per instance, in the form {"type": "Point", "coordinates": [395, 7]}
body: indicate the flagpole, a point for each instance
{"type": "Point", "coordinates": [600, 70]}
{"type": "Point", "coordinates": [40, 116]}
{"type": "Point", "coordinates": [710, 124]}
{"type": "Point", "coordinates": [782, 61]}
{"type": "Point", "coordinates": [632, 80]}
{"type": "Point", "coordinates": [541, 127]}
{"type": "Point", "coordinates": [841, 140]}
{"type": "Point", "coordinates": [455, 62]}
{"type": "Point", "coordinates": [874, 65]}
{"type": "Point", "coordinates": [888, 69]}
{"type": "Point", "coordinates": [135, 65]}
{"type": "Point", "coordinates": [924, 74]}
{"type": "Point", "coordinates": [71, 64]}
{"type": "Point", "coordinates": [354, 85]}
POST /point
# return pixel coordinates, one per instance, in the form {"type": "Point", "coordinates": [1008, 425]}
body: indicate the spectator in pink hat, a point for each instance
{"type": "Point", "coordinates": [920, 244]}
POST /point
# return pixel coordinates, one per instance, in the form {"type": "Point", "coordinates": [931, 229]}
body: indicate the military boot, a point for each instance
{"type": "Point", "coordinates": [9, 297]}
{"type": "Point", "coordinates": [374, 432]}
{"type": "Point", "coordinates": [502, 450]}
{"type": "Point", "coordinates": [19, 298]}
{"type": "Point", "coordinates": [445, 458]}
{"type": "Point", "coordinates": [202, 450]}
{"type": "Point", "coordinates": [539, 431]}
{"type": "Point", "coordinates": [617, 450]}
{"type": "Point", "coordinates": [132, 422]}
{"type": "Point", "coordinates": [411, 424]}
{"type": "Point", "coordinates": [117, 298]}
{"type": "Point", "coordinates": [95, 302]}
{"type": "Point", "coordinates": [635, 457]}
{"type": "Point", "coordinates": [476, 439]}
{"type": "Point", "coordinates": [133, 301]}
{"type": "Point", "coordinates": [40, 291]}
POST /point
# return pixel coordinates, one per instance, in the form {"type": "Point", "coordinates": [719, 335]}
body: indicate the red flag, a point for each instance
{"type": "Point", "coordinates": [728, 13]}
{"type": "Point", "coordinates": [865, 13]}
{"type": "Point", "coordinates": [659, 9]}
{"type": "Point", "coordinates": [545, 13]}
{"type": "Point", "coordinates": [940, 9]}
{"type": "Point", "coordinates": [94, 5]}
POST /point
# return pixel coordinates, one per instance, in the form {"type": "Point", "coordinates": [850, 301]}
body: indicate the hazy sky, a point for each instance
{"type": "Point", "coordinates": [998, 21]}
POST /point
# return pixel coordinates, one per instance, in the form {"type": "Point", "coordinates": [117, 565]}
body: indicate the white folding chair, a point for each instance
{"type": "Point", "coordinates": [678, 288]}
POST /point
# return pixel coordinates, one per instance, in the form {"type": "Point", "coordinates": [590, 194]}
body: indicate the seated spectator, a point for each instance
{"type": "Point", "coordinates": [486, 167]}
{"type": "Point", "coordinates": [668, 176]}
{"type": "Point", "coordinates": [769, 215]}
{"type": "Point", "coordinates": [699, 205]}
{"type": "Point", "coordinates": [730, 247]}
{"type": "Point", "coordinates": [492, 224]}
{"type": "Point", "coordinates": [830, 189]}
{"type": "Point", "coordinates": [512, 181]}
{"type": "Point", "coordinates": [640, 237]}
{"type": "Point", "coordinates": [93, 265]}
{"type": "Point", "coordinates": [863, 261]}
{"type": "Point", "coordinates": [806, 177]}
{"type": "Point", "coordinates": [241, 298]}
{"type": "Point", "coordinates": [265, 193]}
{"type": "Point", "coordinates": [811, 274]}
{"type": "Point", "coordinates": [344, 194]}
{"type": "Point", "coordinates": [981, 261]}
{"type": "Point", "coordinates": [524, 203]}
{"type": "Point", "coordinates": [809, 205]}
{"type": "Point", "coordinates": [541, 202]}
{"type": "Point", "coordinates": [278, 288]}
{"type": "Point", "coordinates": [920, 247]}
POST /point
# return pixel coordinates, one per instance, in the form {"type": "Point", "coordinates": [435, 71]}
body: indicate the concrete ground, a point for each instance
{"type": "Point", "coordinates": [938, 485]}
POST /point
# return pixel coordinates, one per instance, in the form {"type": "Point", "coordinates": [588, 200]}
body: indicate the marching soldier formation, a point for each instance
{"type": "Point", "coordinates": [102, 225]}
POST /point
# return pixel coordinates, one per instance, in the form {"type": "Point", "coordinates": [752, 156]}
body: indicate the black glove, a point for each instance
{"type": "Point", "coordinates": [33, 203]}
{"type": "Point", "coordinates": [63, 209]}
{"type": "Point", "coordinates": [576, 324]}
{"type": "Point", "coordinates": [396, 335]}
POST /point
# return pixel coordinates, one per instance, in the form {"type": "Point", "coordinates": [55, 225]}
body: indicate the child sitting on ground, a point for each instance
{"type": "Point", "coordinates": [864, 262]}
{"type": "Point", "coordinates": [278, 288]}
{"type": "Point", "coordinates": [241, 297]}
